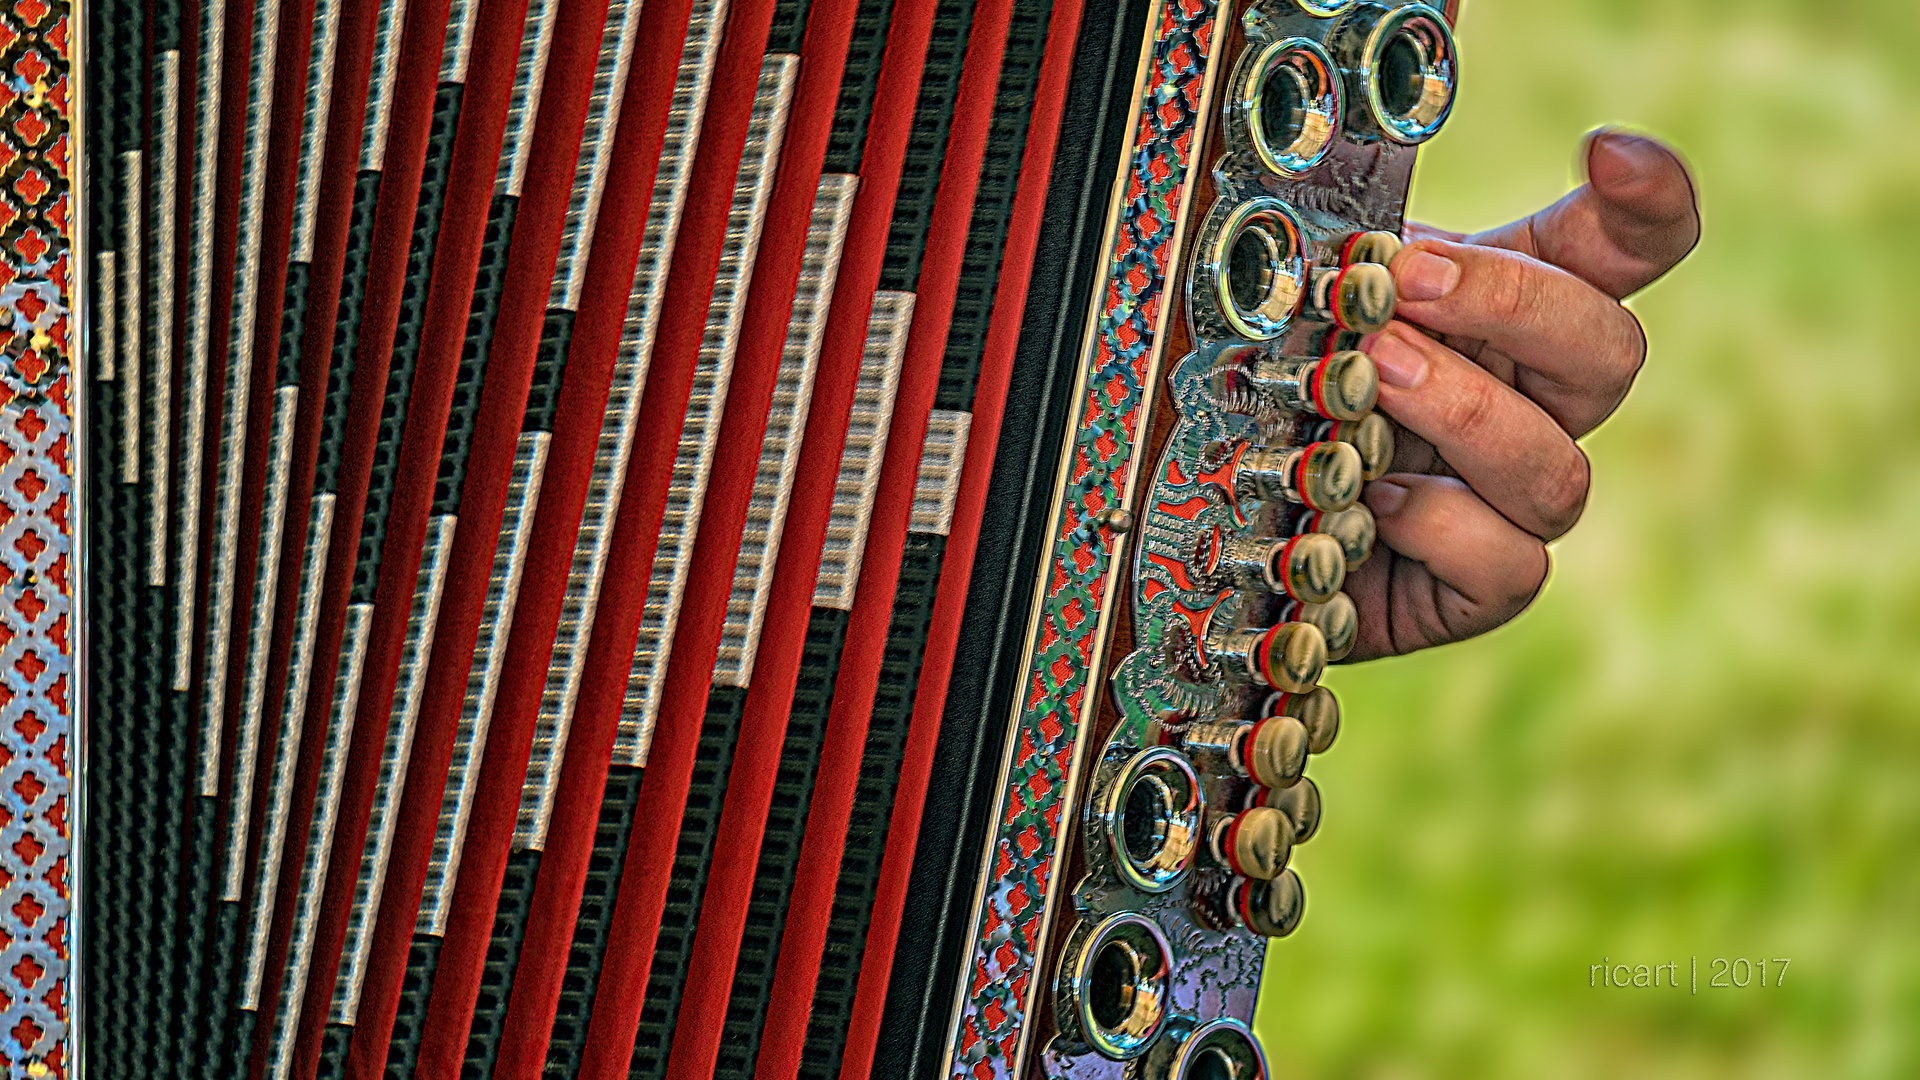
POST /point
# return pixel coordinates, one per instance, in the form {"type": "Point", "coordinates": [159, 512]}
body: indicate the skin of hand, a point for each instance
{"type": "Point", "coordinates": [1508, 345]}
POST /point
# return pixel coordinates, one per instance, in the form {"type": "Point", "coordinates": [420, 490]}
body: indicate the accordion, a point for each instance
{"type": "Point", "coordinates": [684, 538]}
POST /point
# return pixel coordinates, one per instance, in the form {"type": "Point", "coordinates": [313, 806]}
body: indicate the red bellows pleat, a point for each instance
{"type": "Point", "coordinates": [582, 404]}
{"type": "Point", "coordinates": [405, 159]}
{"type": "Point", "coordinates": [818, 868]}
{"type": "Point", "coordinates": [517, 328]}
{"type": "Point", "coordinates": [949, 604]}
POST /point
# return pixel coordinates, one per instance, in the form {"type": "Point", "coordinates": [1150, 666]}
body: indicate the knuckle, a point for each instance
{"type": "Point", "coordinates": [1471, 410]}
{"type": "Point", "coordinates": [1510, 291]}
{"type": "Point", "coordinates": [1562, 493]}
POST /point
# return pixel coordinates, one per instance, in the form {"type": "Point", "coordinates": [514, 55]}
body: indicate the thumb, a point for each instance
{"type": "Point", "coordinates": [1636, 216]}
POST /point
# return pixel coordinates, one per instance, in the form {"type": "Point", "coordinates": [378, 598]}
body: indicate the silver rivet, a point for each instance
{"type": "Point", "coordinates": [1118, 519]}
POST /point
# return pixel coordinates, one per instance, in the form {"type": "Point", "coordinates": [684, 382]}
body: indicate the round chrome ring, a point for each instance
{"type": "Point", "coordinates": [1306, 70]}
{"type": "Point", "coordinates": [1263, 229]}
{"type": "Point", "coordinates": [1151, 815]}
{"type": "Point", "coordinates": [1114, 986]}
{"type": "Point", "coordinates": [1324, 8]}
{"type": "Point", "coordinates": [1411, 46]}
{"type": "Point", "coordinates": [1222, 1049]}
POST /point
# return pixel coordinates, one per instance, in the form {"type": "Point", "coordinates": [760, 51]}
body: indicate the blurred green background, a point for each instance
{"type": "Point", "coordinates": [1702, 740]}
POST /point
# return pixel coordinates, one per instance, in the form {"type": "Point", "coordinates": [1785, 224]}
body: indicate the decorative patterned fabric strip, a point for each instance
{"type": "Point", "coordinates": [37, 628]}
{"type": "Point", "coordinates": [1009, 921]}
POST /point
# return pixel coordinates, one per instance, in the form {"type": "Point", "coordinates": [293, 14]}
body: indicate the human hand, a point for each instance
{"type": "Point", "coordinates": [1534, 351]}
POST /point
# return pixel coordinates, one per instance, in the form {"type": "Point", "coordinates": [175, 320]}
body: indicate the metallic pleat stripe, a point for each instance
{"type": "Point", "coordinates": [536, 39]}
{"type": "Point", "coordinates": [938, 485]}
{"type": "Point", "coordinates": [786, 422]}
{"type": "Point", "coordinates": [388, 22]}
{"type": "Point", "coordinates": [313, 127]}
{"type": "Point", "coordinates": [231, 459]}
{"type": "Point", "coordinates": [753, 184]}
{"type": "Point", "coordinates": [867, 425]}
{"type": "Point", "coordinates": [286, 750]}
{"type": "Point", "coordinates": [596, 151]}
{"type": "Point", "coordinates": [313, 869]}
{"type": "Point", "coordinates": [402, 722]}
{"type": "Point", "coordinates": [483, 680]}
{"type": "Point", "coordinates": [132, 273]}
{"type": "Point", "coordinates": [159, 392]}
{"type": "Point", "coordinates": [199, 322]}
{"type": "Point", "coordinates": [253, 685]}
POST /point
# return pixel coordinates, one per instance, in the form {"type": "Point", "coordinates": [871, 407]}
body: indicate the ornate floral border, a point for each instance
{"type": "Point", "coordinates": [1009, 921]}
{"type": "Point", "coordinates": [37, 566]}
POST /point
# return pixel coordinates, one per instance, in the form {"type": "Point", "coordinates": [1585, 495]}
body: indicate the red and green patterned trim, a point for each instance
{"type": "Point", "coordinates": [1115, 399]}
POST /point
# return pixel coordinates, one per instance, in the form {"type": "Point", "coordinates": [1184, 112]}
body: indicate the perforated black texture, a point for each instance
{"type": "Point", "coordinates": [406, 342]}
{"type": "Point", "coordinates": [993, 204]}
{"type": "Point", "coordinates": [293, 324]}
{"type": "Point", "coordinates": [590, 929]}
{"type": "Point", "coordinates": [335, 1040]}
{"type": "Point", "coordinates": [987, 663]}
{"type": "Point", "coordinates": [346, 332]}
{"type": "Point", "coordinates": [926, 146]}
{"type": "Point", "coordinates": [487, 286]}
{"type": "Point", "coordinates": [866, 840]}
{"type": "Point", "coordinates": [780, 845]}
{"type": "Point", "coordinates": [789, 27]}
{"type": "Point", "coordinates": [847, 142]}
{"type": "Point", "coordinates": [549, 367]}
{"type": "Point", "coordinates": [706, 792]}
{"type": "Point", "coordinates": [110, 842]}
{"type": "Point", "coordinates": [503, 956]}
{"type": "Point", "coordinates": [416, 987]}
{"type": "Point", "coordinates": [213, 955]}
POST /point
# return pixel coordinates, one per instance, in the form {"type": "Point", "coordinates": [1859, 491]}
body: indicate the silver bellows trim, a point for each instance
{"type": "Point", "coordinates": [286, 749]}
{"type": "Point", "coordinates": [199, 322]}
{"type": "Point", "coordinates": [536, 39]}
{"type": "Point", "coordinates": [596, 151]}
{"type": "Point", "coordinates": [458, 45]}
{"type": "Point", "coordinates": [313, 868]}
{"type": "Point", "coordinates": [132, 271]}
{"type": "Point", "coordinates": [693, 461]}
{"type": "Point", "coordinates": [483, 680]}
{"type": "Point", "coordinates": [388, 24]}
{"type": "Point", "coordinates": [231, 461]}
{"type": "Point", "coordinates": [313, 127]}
{"type": "Point", "coordinates": [253, 684]}
{"type": "Point", "coordinates": [786, 423]}
{"type": "Point", "coordinates": [402, 721]}
{"type": "Point", "coordinates": [159, 392]}
{"type": "Point", "coordinates": [938, 484]}
{"type": "Point", "coordinates": [867, 427]}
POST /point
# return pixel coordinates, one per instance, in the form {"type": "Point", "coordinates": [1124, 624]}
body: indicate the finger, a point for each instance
{"type": "Point", "coordinates": [1583, 344]}
{"type": "Point", "coordinates": [1510, 451]}
{"type": "Point", "coordinates": [1459, 568]}
{"type": "Point", "coordinates": [1636, 216]}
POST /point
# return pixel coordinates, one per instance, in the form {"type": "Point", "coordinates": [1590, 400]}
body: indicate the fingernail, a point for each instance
{"type": "Point", "coordinates": [1398, 361]}
{"type": "Point", "coordinates": [1385, 498]}
{"type": "Point", "coordinates": [1426, 276]}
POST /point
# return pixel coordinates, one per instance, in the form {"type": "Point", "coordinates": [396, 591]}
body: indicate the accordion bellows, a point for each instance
{"type": "Point", "coordinates": [590, 538]}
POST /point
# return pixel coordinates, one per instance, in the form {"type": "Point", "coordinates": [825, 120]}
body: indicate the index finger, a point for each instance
{"type": "Point", "coordinates": [1579, 340]}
